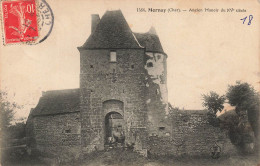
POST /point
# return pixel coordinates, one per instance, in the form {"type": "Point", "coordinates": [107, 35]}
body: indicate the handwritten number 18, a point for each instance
{"type": "Point", "coordinates": [250, 19]}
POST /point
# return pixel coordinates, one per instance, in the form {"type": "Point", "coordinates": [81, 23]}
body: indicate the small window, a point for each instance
{"type": "Point", "coordinates": [91, 66]}
{"type": "Point", "coordinates": [161, 128]}
{"type": "Point", "coordinates": [150, 64]}
{"type": "Point", "coordinates": [67, 131]}
{"type": "Point", "coordinates": [112, 56]}
{"type": "Point", "coordinates": [132, 66]}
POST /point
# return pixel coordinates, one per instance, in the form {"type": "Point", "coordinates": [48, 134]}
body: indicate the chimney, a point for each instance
{"type": "Point", "coordinates": [95, 20]}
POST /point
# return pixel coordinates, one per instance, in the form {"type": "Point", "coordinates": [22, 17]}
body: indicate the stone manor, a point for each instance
{"type": "Point", "coordinates": [123, 88]}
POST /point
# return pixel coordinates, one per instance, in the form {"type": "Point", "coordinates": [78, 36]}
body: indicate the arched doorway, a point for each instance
{"type": "Point", "coordinates": [114, 123]}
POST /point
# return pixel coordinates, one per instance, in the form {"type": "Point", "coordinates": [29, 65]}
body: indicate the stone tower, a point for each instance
{"type": "Point", "coordinates": [122, 83]}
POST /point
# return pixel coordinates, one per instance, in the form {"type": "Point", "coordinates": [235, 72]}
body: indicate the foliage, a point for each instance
{"type": "Point", "coordinates": [17, 131]}
{"type": "Point", "coordinates": [212, 119]}
{"type": "Point", "coordinates": [246, 100]}
{"type": "Point", "coordinates": [7, 111]}
{"type": "Point", "coordinates": [213, 102]}
{"type": "Point", "coordinates": [242, 125]}
{"type": "Point", "coordinates": [12, 136]}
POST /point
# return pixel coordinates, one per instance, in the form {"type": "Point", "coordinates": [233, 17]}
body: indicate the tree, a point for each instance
{"type": "Point", "coordinates": [246, 100]}
{"type": "Point", "coordinates": [6, 111]}
{"type": "Point", "coordinates": [242, 124]}
{"type": "Point", "coordinates": [213, 103]}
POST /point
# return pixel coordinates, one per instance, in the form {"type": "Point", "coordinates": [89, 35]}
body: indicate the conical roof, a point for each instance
{"type": "Point", "coordinates": [150, 41]}
{"type": "Point", "coordinates": [112, 32]}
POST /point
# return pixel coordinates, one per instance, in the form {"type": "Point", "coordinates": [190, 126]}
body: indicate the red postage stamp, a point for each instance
{"type": "Point", "coordinates": [19, 21]}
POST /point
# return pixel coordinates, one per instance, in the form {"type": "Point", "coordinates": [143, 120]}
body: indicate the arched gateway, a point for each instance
{"type": "Point", "coordinates": [114, 122]}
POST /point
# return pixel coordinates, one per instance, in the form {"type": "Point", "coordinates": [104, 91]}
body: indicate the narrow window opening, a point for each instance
{"type": "Point", "coordinates": [91, 66]}
{"type": "Point", "coordinates": [67, 131]}
{"type": "Point", "coordinates": [112, 56]}
{"type": "Point", "coordinates": [132, 66]}
{"type": "Point", "coordinates": [161, 128]}
{"type": "Point", "coordinates": [150, 64]}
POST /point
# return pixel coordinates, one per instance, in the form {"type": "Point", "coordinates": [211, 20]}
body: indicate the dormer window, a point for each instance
{"type": "Point", "coordinates": [112, 56]}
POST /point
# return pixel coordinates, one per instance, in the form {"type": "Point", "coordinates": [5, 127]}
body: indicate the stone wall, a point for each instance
{"type": "Point", "coordinates": [102, 81]}
{"type": "Point", "coordinates": [58, 134]}
{"type": "Point", "coordinates": [191, 135]}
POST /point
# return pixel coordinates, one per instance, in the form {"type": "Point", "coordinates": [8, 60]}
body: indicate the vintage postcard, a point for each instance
{"type": "Point", "coordinates": [140, 83]}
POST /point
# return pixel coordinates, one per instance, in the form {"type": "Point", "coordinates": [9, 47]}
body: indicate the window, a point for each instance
{"type": "Point", "coordinates": [150, 64]}
{"type": "Point", "coordinates": [112, 56]}
{"type": "Point", "coordinates": [91, 66]}
{"type": "Point", "coordinates": [132, 66]}
{"type": "Point", "coordinates": [67, 131]}
{"type": "Point", "coordinates": [161, 128]}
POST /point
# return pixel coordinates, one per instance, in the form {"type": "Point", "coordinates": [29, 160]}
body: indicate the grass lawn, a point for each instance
{"type": "Point", "coordinates": [127, 158]}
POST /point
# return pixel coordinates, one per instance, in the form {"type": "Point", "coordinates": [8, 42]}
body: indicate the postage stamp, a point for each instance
{"type": "Point", "coordinates": [26, 21]}
{"type": "Point", "coordinates": [19, 21]}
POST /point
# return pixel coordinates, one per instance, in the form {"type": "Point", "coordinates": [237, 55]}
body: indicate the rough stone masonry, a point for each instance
{"type": "Point", "coordinates": [123, 84]}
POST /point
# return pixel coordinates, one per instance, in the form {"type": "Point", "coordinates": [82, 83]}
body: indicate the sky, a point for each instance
{"type": "Point", "coordinates": [206, 51]}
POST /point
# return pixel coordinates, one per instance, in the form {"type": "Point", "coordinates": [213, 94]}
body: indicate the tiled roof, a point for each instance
{"type": "Point", "coordinates": [112, 32]}
{"type": "Point", "coordinates": [58, 101]}
{"type": "Point", "coordinates": [150, 41]}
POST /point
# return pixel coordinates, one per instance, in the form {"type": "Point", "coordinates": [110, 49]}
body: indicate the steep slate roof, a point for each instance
{"type": "Point", "coordinates": [112, 32]}
{"type": "Point", "coordinates": [58, 101]}
{"type": "Point", "coordinates": [150, 41]}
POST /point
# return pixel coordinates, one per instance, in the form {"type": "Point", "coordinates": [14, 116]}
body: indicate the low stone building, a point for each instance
{"type": "Point", "coordinates": [123, 86]}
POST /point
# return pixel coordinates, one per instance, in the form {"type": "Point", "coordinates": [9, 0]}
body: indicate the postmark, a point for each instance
{"type": "Point", "coordinates": [19, 21]}
{"type": "Point", "coordinates": [45, 20]}
{"type": "Point", "coordinates": [26, 21]}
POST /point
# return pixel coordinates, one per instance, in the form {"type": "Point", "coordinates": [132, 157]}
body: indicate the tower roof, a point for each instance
{"type": "Point", "coordinates": [150, 41]}
{"type": "Point", "coordinates": [112, 32]}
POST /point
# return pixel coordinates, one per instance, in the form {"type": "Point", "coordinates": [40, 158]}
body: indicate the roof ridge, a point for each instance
{"type": "Point", "coordinates": [112, 31]}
